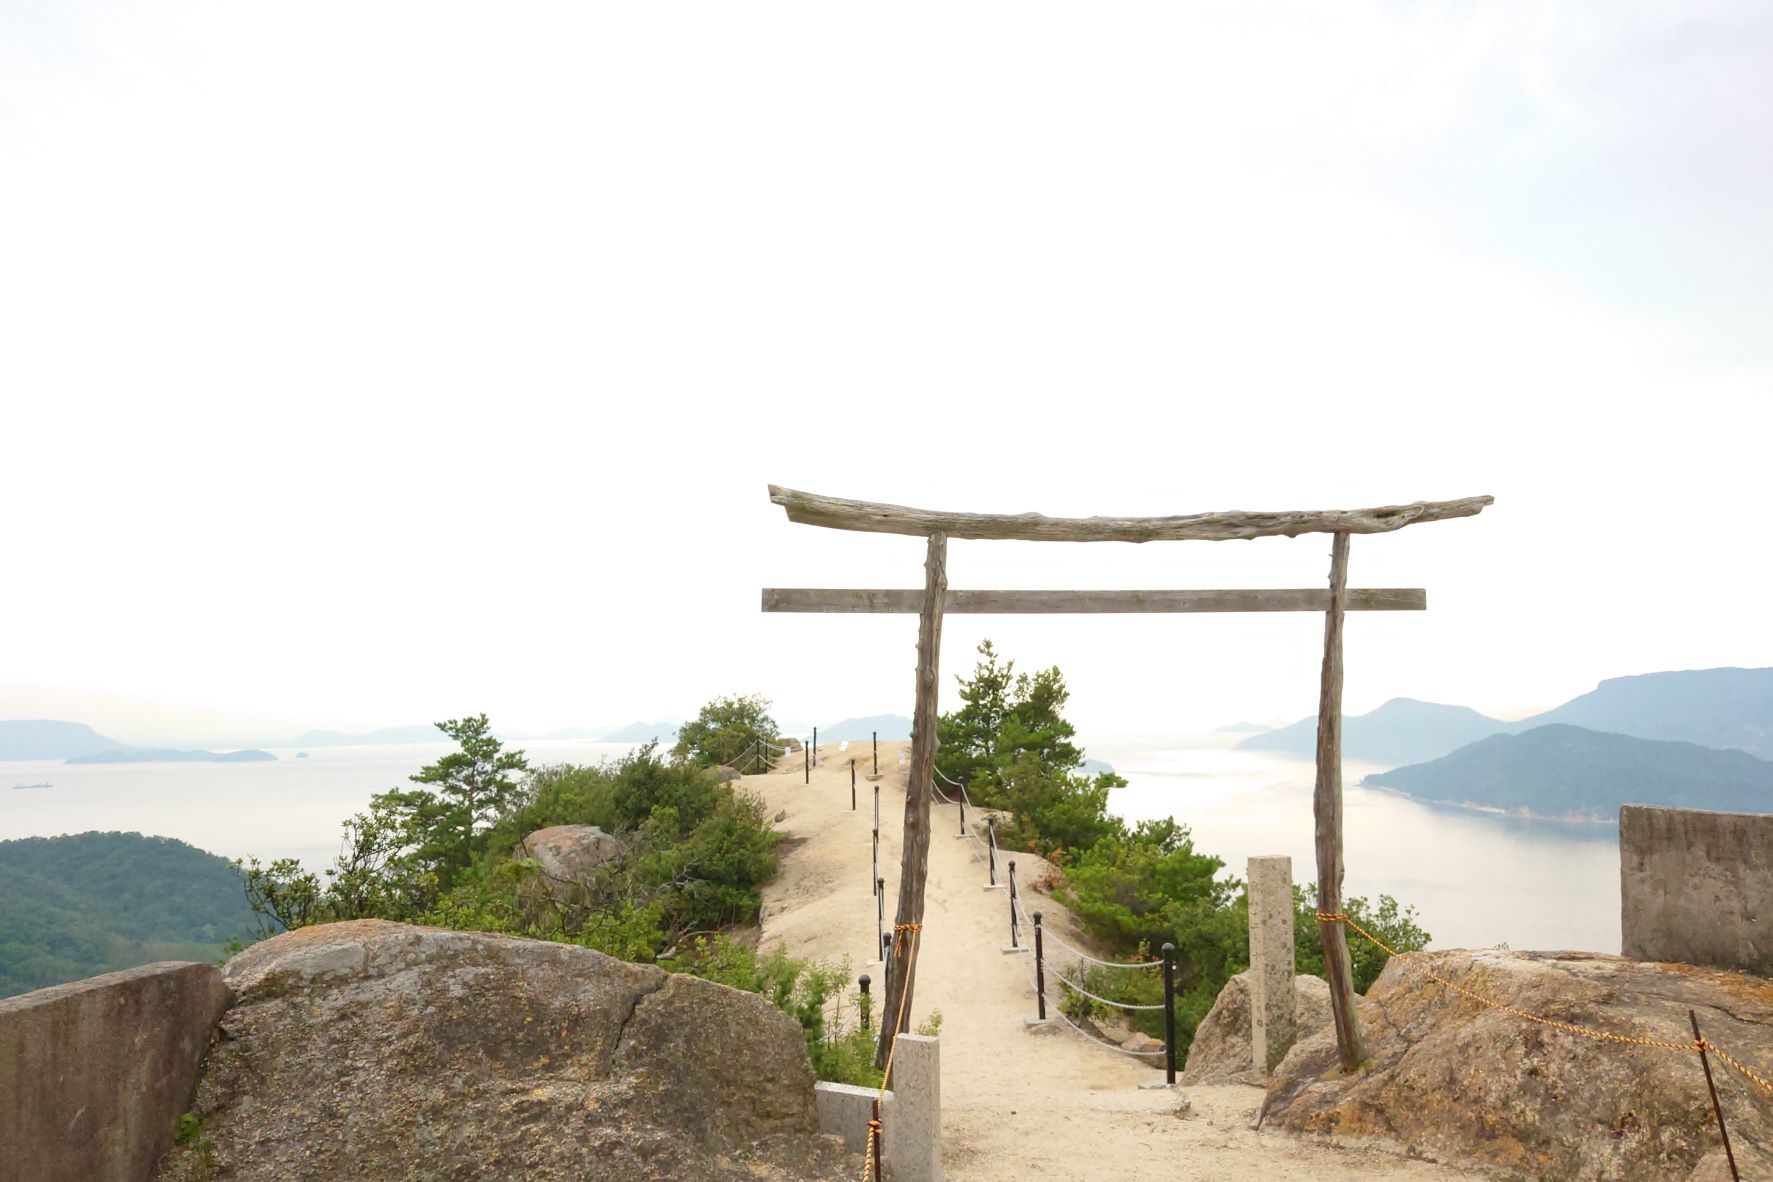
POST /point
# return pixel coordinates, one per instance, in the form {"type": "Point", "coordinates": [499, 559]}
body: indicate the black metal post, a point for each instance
{"type": "Point", "coordinates": [863, 1002]}
{"type": "Point", "coordinates": [991, 848]}
{"type": "Point", "coordinates": [874, 869]}
{"type": "Point", "coordinates": [1716, 1108]}
{"type": "Point", "coordinates": [1040, 970]}
{"type": "Point", "coordinates": [1170, 1014]}
{"type": "Point", "coordinates": [806, 754]}
{"type": "Point", "coordinates": [877, 808]}
{"type": "Point", "coordinates": [1013, 943]}
{"type": "Point", "coordinates": [880, 908]}
{"type": "Point", "coordinates": [963, 813]}
{"type": "Point", "coordinates": [877, 753]}
{"type": "Point", "coordinates": [852, 785]}
{"type": "Point", "coordinates": [815, 742]}
{"type": "Point", "coordinates": [886, 957]}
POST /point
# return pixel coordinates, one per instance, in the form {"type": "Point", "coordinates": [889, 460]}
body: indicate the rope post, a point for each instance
{"type": "Point", "coordinates": [1013, 943]}
{"type": "Point", "coordinates": [963, 812]}
{"type": "Point", "coordinates": [1170, 1014]}
{"type": "Point", "coordinates": [877, 753]}
{"type": "Point", "coordinates": [886, 956]}
{"type": "Point", "coordinates": [876, 1137]}
{"type": "Point", "coordinates": [880, 908]}
{"type": "Point", "coordinates": [1716, 1108]}
{"type": "Point", "coordinates": [991, 848]}
{"type": "Point", "coordinates": [815, 743]}
{"type": "Point", "coordinates": [874, 871]}
{"type": "Point", "coordinates": [806, 754]}
{"type": "Point", "coordinates": [863, 1002]}
{"type": "Point", "coordinates": [1040, 970]}
{"type": "Point", "coordinates": [877, 808]}
{"type": "Point", "coordinates": [852, 785]}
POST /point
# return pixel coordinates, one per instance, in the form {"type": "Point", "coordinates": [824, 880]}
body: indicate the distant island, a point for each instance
{"type": "Point", "coordinates": [94, 902]}
{"type": "Point", "coordinates": [1242, 728]}
{"type": "Point", "coordinates": [1571, 773]}
{"type": "Point", "coordinates": [168, 755]}
{"type": "Point", "coordinates": [1403, 730]}
{"type": "Point", "coordinates": [48, 739]}
{"type": "Point", "coordinates": [1720, 708]}
{"type": "Point", "coordinates": [891, 727]}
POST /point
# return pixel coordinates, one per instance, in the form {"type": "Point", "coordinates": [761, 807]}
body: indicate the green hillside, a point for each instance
{"type": "Point", "coordinates": [1567, 771]}
{"type": "Point", "coordinates": [89, 903]}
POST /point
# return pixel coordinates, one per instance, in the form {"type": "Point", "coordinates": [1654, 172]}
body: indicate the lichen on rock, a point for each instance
{"type": "Point", "coordinates": [1456, 1081]}
{"type": "Point", "coordinates": [379, 1052]}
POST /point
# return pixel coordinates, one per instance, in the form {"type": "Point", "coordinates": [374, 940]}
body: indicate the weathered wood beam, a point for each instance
{"type": "Point", "coordinates": [1308, 599]}
{"type": "Point", "coordinates": [839, 513]}
{"type": "Point", "coordinates": [914, 846]}
{"type": "Point", "coordinates": [1326, 809]}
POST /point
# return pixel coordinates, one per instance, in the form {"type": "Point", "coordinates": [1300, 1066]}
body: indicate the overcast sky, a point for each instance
{"type": "Point", "coordinates": [363, 364]}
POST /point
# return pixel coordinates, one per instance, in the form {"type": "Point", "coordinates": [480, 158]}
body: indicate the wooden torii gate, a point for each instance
{"type": "Point", "coordinates": [935, 599]}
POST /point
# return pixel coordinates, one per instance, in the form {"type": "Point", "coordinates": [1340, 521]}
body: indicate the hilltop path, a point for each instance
{"type": "Point", "coordinates": [1017, 1104]}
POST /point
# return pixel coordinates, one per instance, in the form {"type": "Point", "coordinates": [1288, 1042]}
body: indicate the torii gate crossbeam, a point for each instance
{"type": "Point", "coordinates": [935, 599]}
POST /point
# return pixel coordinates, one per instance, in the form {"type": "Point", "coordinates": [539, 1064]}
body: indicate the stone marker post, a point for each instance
{"type": "Point", "coordinates": [1272, 994]}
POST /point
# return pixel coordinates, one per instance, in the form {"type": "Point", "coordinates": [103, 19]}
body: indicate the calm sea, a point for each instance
{"type": "Point", "coordinates": [1477, 880]}
{"type": "Point", "coordinates": [289, 809]}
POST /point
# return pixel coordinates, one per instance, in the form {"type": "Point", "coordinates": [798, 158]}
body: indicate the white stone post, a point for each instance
{"type": "Point", "coordinates": [914, 1135]}
{"type": "Point", "coordinates": [1273, 998]}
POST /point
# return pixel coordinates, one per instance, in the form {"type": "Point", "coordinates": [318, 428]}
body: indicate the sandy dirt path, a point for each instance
{"type": "Point", "coordinates": [1017, 1103]}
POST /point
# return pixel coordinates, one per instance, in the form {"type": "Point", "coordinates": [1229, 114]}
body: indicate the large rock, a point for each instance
{"type": "Point", "coordinates": [379, 1052]}
{"type": "Point", "coordinates": [1220, 1052]}
{"type": "Point", "coordinates": [567, 857]}
{"type": "Point", "coordinates": [1455, 1081]}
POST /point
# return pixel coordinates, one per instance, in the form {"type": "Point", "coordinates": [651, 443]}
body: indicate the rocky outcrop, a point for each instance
{"type": "Point", "coordinates": [1220, 1052]}
{"type": "Point", "coordinates": [567, 856]}
{"type": "Point", "coordinates": [1455, 1081]}
{"type": "Point", "coordinates": [726, 774]}
{"type": "Point", "coordinates": [379, 1052]}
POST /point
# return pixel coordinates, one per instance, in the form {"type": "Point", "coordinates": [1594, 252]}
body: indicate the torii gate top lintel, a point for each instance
{"type": "Point", "coordinates": [935, 599]}
{"type": "Point", "coordinates": [839, 513]}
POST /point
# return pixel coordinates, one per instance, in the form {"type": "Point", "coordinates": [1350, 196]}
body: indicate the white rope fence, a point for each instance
{"type": "Point", "coordinates": [1071, 968]}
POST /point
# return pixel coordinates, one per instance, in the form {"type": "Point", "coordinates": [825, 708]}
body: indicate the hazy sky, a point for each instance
{"type": "Point", "coordinates": [370, 363]}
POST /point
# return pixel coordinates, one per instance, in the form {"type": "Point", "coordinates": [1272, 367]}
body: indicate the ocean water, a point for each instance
{"type": "Point", "coordinates": [292, 808]}
{"type": "Point", "coordinates": [1477, 879]}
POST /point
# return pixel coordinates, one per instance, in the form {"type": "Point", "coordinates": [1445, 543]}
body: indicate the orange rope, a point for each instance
{"type": "Point", "coordinates": [875, 1127]}
{"type": "Point", "coordinates": [1695, 1046]}
{"type": "Point", "coordinates": [1566, 1027]}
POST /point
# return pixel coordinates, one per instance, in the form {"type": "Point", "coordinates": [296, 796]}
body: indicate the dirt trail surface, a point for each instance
{"type": "Point", "coordinates": [1017, 1104]}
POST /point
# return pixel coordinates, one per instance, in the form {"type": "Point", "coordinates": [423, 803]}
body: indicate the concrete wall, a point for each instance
{"type": "Point", "coordinates": [911, 1114]}
{"type": "Point", "coordinates": [94, 1075]}
{"type": "Point", "coordinates": [1697, 887]}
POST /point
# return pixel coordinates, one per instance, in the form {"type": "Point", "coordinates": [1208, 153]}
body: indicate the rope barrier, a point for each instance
{"type": "Point", "coordinates": [1569, 1028]}
{"type": "Point", "coordinates": [1101, 1041]}
{"type": "Point", "coordinates": [1695, 1046]}
{"type": "Point", "coordinates": [1076, 988]}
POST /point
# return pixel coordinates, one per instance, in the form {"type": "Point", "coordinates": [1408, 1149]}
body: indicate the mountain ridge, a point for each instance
{"type": "Point", "coordinates": [1569, 772]}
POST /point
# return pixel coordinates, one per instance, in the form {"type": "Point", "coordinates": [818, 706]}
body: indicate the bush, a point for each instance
{"type": "Point", "coordinates": [1395, 925]}
{"type": "Point", "coordinates": [726, 730]}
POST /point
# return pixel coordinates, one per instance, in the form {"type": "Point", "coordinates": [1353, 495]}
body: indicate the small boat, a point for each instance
{"type": "Point", "coordinates": [16, 787]}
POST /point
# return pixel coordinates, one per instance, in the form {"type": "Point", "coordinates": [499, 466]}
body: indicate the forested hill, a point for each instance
{"type": "Point", "coordinates": [1711, 707]}
{"type": "Point", "coordinates": [1567, 771]}
{"type": "Point", "coordinates": [91, 903]}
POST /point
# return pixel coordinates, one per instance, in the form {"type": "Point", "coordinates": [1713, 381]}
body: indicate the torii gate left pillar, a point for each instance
{"type": "Point", "coordinates": [936, 527]}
